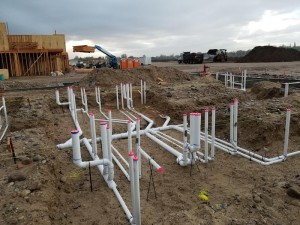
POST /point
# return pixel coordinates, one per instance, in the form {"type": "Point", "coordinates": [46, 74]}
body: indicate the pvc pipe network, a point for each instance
{"type": "Point", "coordinates": [187, 156]}
{"type": "Point", "coordinates": [230, 80]}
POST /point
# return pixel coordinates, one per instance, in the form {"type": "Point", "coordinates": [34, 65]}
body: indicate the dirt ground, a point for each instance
{"type": "Point", "coordinates": [46, 188]}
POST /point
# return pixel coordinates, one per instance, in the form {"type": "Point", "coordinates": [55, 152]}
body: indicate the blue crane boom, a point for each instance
{"type": "Point", "coordinates": [113, 59]}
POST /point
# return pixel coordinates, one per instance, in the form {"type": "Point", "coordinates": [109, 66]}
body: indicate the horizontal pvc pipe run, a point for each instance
{"type": "Point", "coordinates": [156, 166]}
{"type": "Point", "coordinates": [164, 145]}
{"type": "Point", "coordinates": [124, 206]}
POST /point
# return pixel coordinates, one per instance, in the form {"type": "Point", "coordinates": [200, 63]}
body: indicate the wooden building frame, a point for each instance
{"type": "Point", "coordinates": [32, 55]}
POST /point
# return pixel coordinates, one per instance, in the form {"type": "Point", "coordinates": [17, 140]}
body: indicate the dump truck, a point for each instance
{"type": "Point", "coordinates": [190, 58]}
{"type": "Point", "coordinates": [216, 55]}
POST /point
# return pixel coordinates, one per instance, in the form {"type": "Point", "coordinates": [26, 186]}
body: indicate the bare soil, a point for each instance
{"type": "Point", "coordinates": [52, 190]}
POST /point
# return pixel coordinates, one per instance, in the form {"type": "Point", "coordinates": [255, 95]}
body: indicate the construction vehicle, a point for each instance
{"type": "Point", "coordinates": [216, 55]}
{"type": "Point", "coordinates": [113, 61]}
{"type": "Point", "coordinates": [190, 58]}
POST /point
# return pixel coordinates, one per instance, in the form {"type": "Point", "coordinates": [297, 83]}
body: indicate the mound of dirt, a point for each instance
{"type": "Point", "coordinates": [151, 74]}
{"type": "Point", "coordinates": [271, 54]}
{"type": "Point", "coordinates": [266, 89]}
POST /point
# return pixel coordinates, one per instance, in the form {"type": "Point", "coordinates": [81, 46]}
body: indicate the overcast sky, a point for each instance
{"type": "Point", "coordinates": [154, 27]}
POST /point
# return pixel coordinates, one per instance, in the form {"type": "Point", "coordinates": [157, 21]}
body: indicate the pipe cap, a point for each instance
{"type": "Point", "coordinates": [74, 131]}
{"type": "Point", "coordinates": [160, 170]}
{"type": "Point", "coordinates": [135, 158]}
{"type": "Point", "coordinates": [91, 114]}
{"type": "Point", "coordinates": [103, 123]}
{"type": "Point", "coordinates": [130, 154]}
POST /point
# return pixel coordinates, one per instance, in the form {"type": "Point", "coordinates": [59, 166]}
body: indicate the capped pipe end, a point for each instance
{"type": "Point", "coordinates": [108, 127]}
{"type": "Point", "coordinates": [231, 103]}
{"type": "Point", "coordinates": [184, 114]}
{"type": "Point", "coordinates": [128, 121]}
{"type": "Point", "coordinates": [135, 158]}
{"type": "Point", "coordinates": [197, 114]}
{"type": "Point", "coordinates": [103, 123]}
{"type": "Point", "coordinates": [130, 154]}
{"type": "Point", "coordinates": [91, 114]}
{"type": "Point", "coordinates": [236, 100]}
{"type": "Point", "coordinates": [288, 109]}
{"type": "Point", "coordinates": [74, 131]}
{"type": "Point", "coordinates": [137, 118]}
{"type": "Point", "coordinates": [206, 110]}
{"type": "Point", "coordinates": [160, 170]}
{"type": "Point", "coordinates": [213, 109]}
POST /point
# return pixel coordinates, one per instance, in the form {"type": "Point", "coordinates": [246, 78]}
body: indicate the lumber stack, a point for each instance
{"type": "Point", "coordinates": [23, 45]}
{"type": "Point", "coordinates": [83, 48]}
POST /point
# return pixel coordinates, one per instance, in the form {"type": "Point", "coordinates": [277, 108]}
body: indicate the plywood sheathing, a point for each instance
{"type": "Point", "coordinates": [3, 38]}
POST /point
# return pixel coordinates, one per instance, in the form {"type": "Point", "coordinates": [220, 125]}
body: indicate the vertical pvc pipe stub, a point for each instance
{"type": "Point", "coordinates": [74, 131]}
{"type": "Point", "coordinates": [107, 127]}
{"type": "Point", "coordinates": [236, 100]}
{"type": "Point", "coordinates": [288, 109]}
{"type": "Point", "coordinates": [130, 154]}
{"type": "Point", "coordinates": [205, 110]}
{"type": "Point", "coordinates": [137, 118]}
{"type": "Point", "coordinates": [197, 114]}
{"type": "Point", "coordinates": [160, 170]}
{"type": "Point", "coordinates": [184, 114]}
{"type": "Point", "coordinates": [231, 103]}
{"type": "Point", "coordinates": [128, 121]}
{"type": "Point", "coordinates": [91, 114]}
{"type": "Point", "coordinates": [103, 123]}
{"type": "Point", "coordinates": [135, 158]}
{"type": "Point", "coordinates": [213, 109]}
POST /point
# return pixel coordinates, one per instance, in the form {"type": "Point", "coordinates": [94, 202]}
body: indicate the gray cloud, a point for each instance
{"type": "Point", "coordinates": [150, 27]}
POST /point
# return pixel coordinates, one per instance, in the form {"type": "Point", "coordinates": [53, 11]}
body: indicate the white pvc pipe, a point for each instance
{"type": "Point", "coordinates": [98, 97]}
{"type": "Point", "coordinates": [58, 100]}
{"type": "Point", "coordinates": [231, 122]}
{"type": "Point", "coordinates": [110, 122]}
{"type": "Point", "coordinates": [286, 89]}
{"type": "Point", "coordinates": [123, 204]}
{"type": "Point", "coordinates": [137, 203]}
{"type": "Point", "coordinates": [184, 147]}
{"type": "Point", "coordinates": [117, 96]}
{"type": "Point", "coordinates": [287, 132]}
{"type": "Point", "coordinates": [93, 133]}
{"type": "Point", "coordinates": [138, 144]}
{"type": "Point", "coordinates": [206, 136]}
{"type": "Point", "coordinates": [153, 162]}
{"type": "Point", "coordinates": [103, 134]}
{"type": "Point", "coordinates": [128, 94]}
{"type": "Point", "coordinates": [5, 117]}
{"type": "Point", "coordinates": [142, 93]}
{"type": "Point", "coordinates": [109, 153]}
{"type": "Point", "coordinates": [145, 92]}
{"type": "Point", "coordinates": [131, 176]}
{"type": "Point", "coordinates": [235, 118]}
{"type": "Point", "coordinates": [122, 95]}
{"type": "Point", "coordinates": [164, 145]}
{"type": "Point", "coordinates": [192, 128]}
{"type": "Point", "coordinates": [245, 79]}
{"type": "Point", "coordinates": [129, 141]}
{"type": "Point", "coordinates": [197, 127]}
{"type": "Point", "coordinates": [131, 99]}
{"type": "Point", "coordinates": [213, 126]}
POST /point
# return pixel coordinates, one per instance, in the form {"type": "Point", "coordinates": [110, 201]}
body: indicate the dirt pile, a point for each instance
{"type": "Point", "coordinates": [271, 54]}
{"type": "Point", "coordinates": [151, 74]}
{"type": "Point", "coordinates": [266, 89]}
